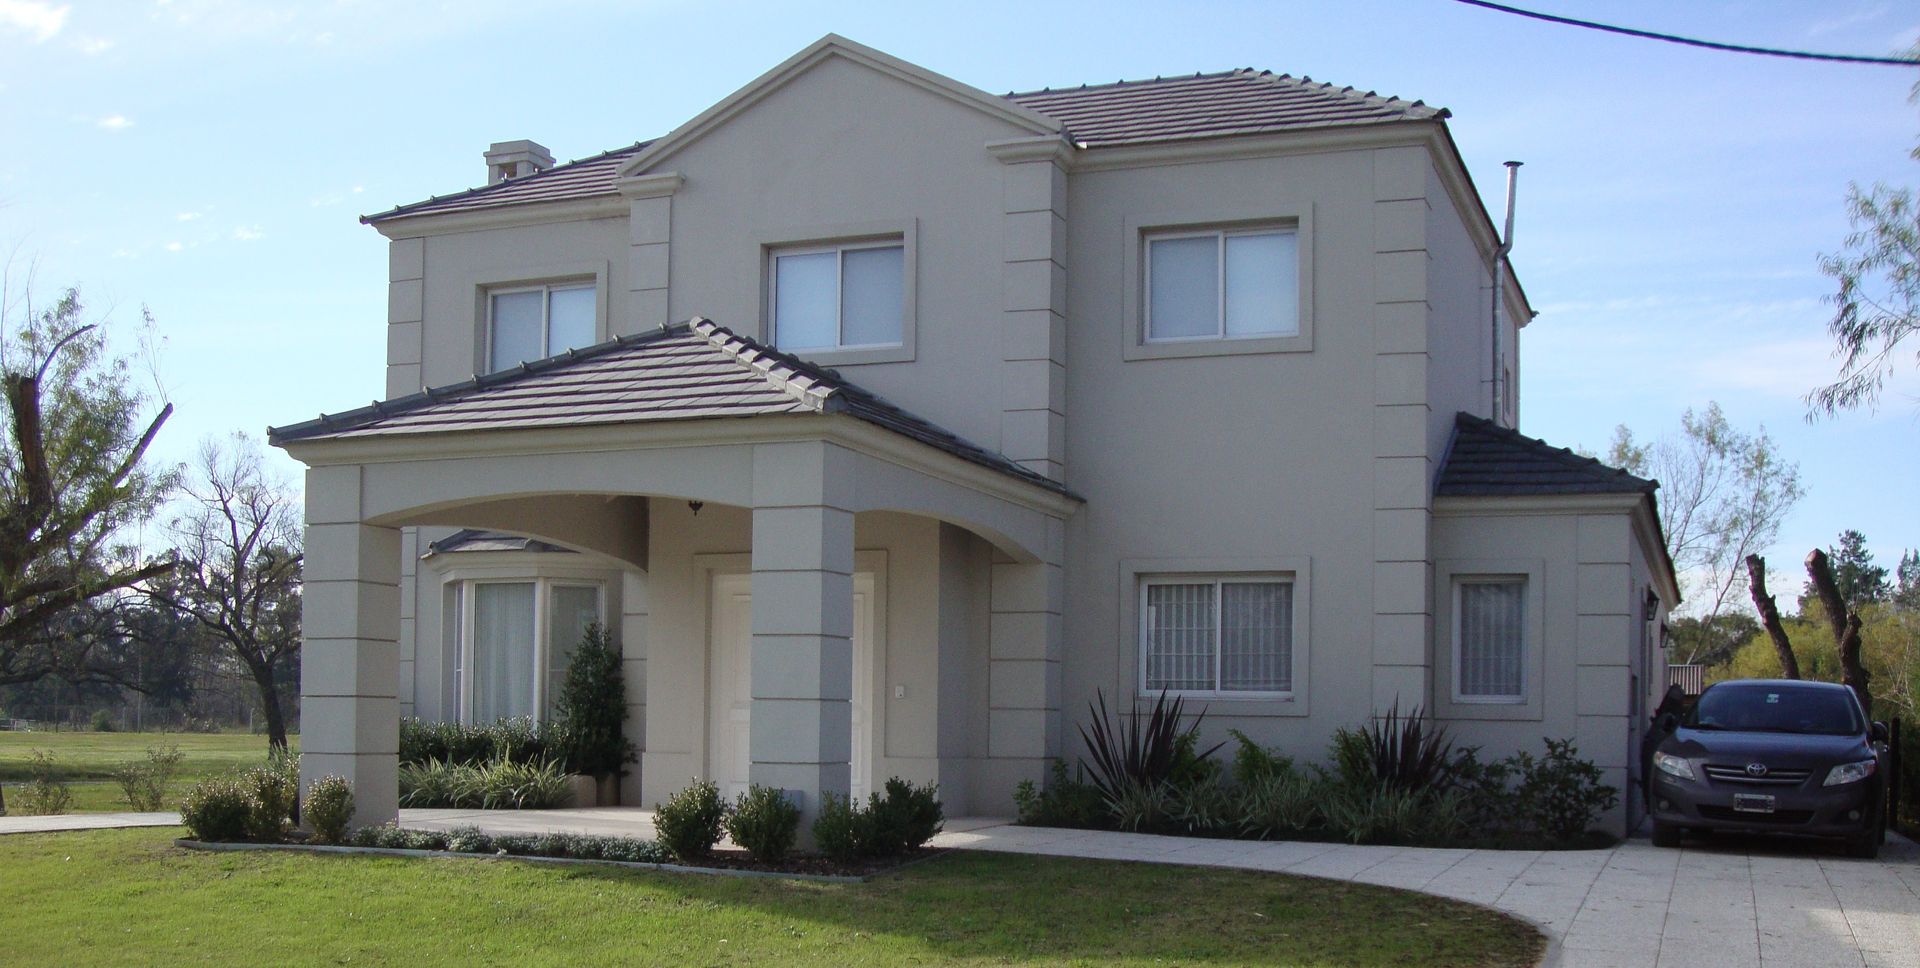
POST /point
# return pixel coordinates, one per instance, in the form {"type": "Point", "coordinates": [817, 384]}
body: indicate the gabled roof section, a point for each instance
{"type": "Point", "coordinates": [1486, 459]}
{"type": "Point", "coordinates": [828, 47]}
{"type": "Point", "coordinates": [695, 370]}
{"type": "Point", "coordinates": [1229, 103]}
{"type": "Point", "coordinates": [581, 178]}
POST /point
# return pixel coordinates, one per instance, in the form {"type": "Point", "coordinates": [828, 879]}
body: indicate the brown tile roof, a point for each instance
{"type": "Point", "coordinates": [1164, 109]}
{"type": "Point", "coordinates": [1485, 458]}
{"type": "Point", "coordinates": [689, 371]}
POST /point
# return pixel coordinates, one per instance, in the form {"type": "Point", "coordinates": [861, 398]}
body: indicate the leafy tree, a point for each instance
{"type": "Point", "coordinates": [72, 480]}
{"type": "Point", "coordinates": [237, 555]}
{"type": "Point", "coordinates": [1714, 639]}
{"type": "Point", "coordinates": [1906, 581]}
{"type": "Point", "coordinates": [1723, 496]}
{"type": "Point", "coordinates": [1877, 305]}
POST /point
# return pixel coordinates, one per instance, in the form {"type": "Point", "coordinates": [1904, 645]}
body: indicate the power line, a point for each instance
{"type": "Point", "coordinates": [1696, 42]}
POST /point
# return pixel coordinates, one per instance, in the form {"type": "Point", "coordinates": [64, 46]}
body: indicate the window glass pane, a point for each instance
{"type": "Point", "coordinates": [570, 319]}
{"type": "Point", "coordinates": [872, 293]}
{"type": "Point", "coordinates": [574, 608]}
{"type": "Point", "coordinates": [1256, 637]}
{"type": "Point", "coordinates": [1263, 284]}
{"type": "Point", "coordinates": [1491, 638]}
{"type": "Point", "coordinates": [450, 618]}
{"type": "Point", "coordinates": [805, 302]}
{"type": "Point", "coordinates": [516, 329]}
{"type": "Point", "coordinates": [1184, 291]}
{"type": "Point", "coordinates": [502, 650]}
{"type": "Point", "coordinates": [1179, 637]}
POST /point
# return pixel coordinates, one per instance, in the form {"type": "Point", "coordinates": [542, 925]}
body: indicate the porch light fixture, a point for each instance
{"type": "Point", "coordinates": [696, 506]}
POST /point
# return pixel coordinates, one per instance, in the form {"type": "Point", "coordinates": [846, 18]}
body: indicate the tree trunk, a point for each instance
{"type": "Point", "coordinates": [270, 705]}
{"type": "Point", "coordinates": [1844, 623]}
{"type": "Point", "coordinates": [1770, 616]}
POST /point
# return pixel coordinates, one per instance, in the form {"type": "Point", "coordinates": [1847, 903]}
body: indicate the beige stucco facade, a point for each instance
{"type": "Point", "coordinates": [1006, 607]}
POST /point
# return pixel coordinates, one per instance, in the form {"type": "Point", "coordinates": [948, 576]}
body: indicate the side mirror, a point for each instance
{"type": "Point", "coordinates": [1877, 733]}
{"type": "Point", "coordinates": [1669, 722]}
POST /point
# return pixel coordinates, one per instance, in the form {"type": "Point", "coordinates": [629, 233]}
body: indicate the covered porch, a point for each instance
{"type": "Point", "coordinates": [706, 468]}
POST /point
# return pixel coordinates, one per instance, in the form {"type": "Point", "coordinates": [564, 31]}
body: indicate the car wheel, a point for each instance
{"type": "Point", "coordinates": [1665, 835]}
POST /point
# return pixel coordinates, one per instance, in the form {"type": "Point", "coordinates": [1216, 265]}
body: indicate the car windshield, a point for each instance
{"type": "Point", "coordinates": [1775, 709]}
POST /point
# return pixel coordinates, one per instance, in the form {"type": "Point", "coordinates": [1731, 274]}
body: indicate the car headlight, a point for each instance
{"type": "Point", "coordinates": [1673, 765]}
{"type": "Point", "coordinates": [1850, 772]}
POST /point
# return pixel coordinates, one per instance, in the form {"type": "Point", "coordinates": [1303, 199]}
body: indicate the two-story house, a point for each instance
{"type": "Point", "coordinates": [887, 421]}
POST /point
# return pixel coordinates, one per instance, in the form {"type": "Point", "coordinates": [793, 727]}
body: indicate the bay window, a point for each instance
{"type": "Point", "coordinates": [514, 640]}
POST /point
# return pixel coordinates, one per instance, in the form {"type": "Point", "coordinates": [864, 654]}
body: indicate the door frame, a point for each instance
{"type": "Point", "coordinates": [870, 562]}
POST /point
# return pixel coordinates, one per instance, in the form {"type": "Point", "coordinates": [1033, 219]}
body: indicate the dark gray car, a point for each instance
{"type": "Point", "coordinates": [1771, 756]}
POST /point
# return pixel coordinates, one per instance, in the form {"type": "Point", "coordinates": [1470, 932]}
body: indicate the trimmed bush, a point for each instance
{"type": "Point", "coordinates": [1561, 795]}
{"type": "Point", "coordinates": [591, 710]}
{"type": "Point", "coordinates": [217, 809]}
{"type": "Point", "coordinates": [469, 840]}
{"type": "Point", "coordinates": [689, 822]}
{"type": "Point", "coordinates": [764, 822]}
{"type": "Point", "coordinates": [1064, 802]}
{"type": "Point", "coordinates": [46, 791]}
{"type": "Point", "coordinates": [144, 785]}
{"type": "Point", "coordinates": [905, 819]}
{"type": "Point", "coordinates": [842, 830]}
{"type": "Point", "coordinates": [330, 808]}
{"type": "Point", "coordinates": [517, 739]}
{"type": "Point", "coordinates": [271, 796]}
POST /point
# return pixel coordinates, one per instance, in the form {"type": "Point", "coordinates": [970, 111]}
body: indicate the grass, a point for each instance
{"type": "Point", "coordinates": [88, 760]}
{"type": "Point", "coordinates": [175, 907]}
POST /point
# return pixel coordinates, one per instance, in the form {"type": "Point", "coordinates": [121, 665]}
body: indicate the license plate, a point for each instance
{"type": "Point", "coordinates": [1753, 803]}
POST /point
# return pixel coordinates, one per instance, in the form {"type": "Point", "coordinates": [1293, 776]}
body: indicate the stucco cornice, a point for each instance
{"type": "Point", "coordinates": [1041, 148]}
{"type": "Point", "coordinates": [855, 435]}
{"type": "Point", "coordinates": [656, 185]}
{"type": "Point", "coordinates": [506, 216]}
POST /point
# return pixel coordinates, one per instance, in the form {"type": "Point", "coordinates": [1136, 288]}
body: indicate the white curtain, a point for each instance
{"type": "Point", "coordinates": [1256, 637]}
{"type": "Point", "coordinates": [1491, 638]}
{"type": "Point", "coordinates": [502, 673]}
{"type": "Point", "coordinates": [872, 295]}
{"type": "Point", "coordinates": [516, 329]}
{"type": "Point", "coordinates": [574, 607]}
{"type": "Point", "coordinates": [806, 301]}
{"type": "Point", "coordinates": [1263, 284]}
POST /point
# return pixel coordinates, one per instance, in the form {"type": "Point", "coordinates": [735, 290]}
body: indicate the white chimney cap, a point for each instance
{"type": "Point", "coordinates": [516, 159]}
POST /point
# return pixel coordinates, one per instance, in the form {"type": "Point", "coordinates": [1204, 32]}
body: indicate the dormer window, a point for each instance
{"type": "Point", "coordinates": [1222, 284]}
{"type": "Point", "coordinates": [534, 322]}
{"type": "Point", "coordinates": [848, 296]}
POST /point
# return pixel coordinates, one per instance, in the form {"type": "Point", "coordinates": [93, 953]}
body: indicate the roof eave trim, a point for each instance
{"type": "Point", "coordinates": [832, 45]}
{"type": "Point", "coordinates": [503, 215]}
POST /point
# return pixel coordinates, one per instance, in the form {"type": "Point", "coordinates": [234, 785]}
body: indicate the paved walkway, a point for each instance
{"type": "Point", "coordinates": [1730, 902]}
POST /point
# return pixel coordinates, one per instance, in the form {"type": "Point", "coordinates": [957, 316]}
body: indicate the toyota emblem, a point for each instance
{"type": "Point", "coordinates": [1756, 769]}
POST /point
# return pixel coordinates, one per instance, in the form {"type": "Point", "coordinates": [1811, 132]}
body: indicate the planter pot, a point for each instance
{"type": "Point", "coordinates": [608, 794]}
{"type": "Point", "coordinates": [584, 791]}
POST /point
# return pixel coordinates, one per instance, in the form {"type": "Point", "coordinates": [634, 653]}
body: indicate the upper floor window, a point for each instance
{"type": "Point", "coordinates": [838, 296]}
{"type": "Point", "coordinates": [1221, 284]}
{"type": "Point", "coordinates": [534, 322]}
{"type": "Point", "coordinates": [1231, 635]}
{"type": "Point", "coordinates": [1489, 659]}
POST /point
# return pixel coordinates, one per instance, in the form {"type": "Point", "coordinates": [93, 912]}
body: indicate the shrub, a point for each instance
{"type": "Point", "coordinates": [905, 819]}
{"type": "Point", "coordinates": [636, 851]}
{"type": "Point", "coordinates": [469, 840]}
{"type": "Point", "coordinates": [103, 721]}
{"type": "Point", "coordinates": [517, 739]}
{"type": "Point", "coordinates": [46, 791]}
{"type": "Point", "coordinates": [271, 794]}
{"type": "Point", "coordinates": [1142, 809]}
{"type": "Point", "coordinates": [591, 710]}
{"type": "Point", "coordinates": [1280, 805]}
{"type": "Point", "coordinates": [330, 808]}
{"type": "Point", "coordinates": [439, 783]}
{"type": "Point", "coordinates": [1202, 809]}
{"type": "Point", "coordinates": [217, 809]}
{"type": "Point", "coordinates": [1064, 802]}
{"type": "Point", "coordinates": [842, 830]}
{"type": "Point", "coordinates": [1407, 754]}
{"type": "Point", "coordinates": [689, 822]}
{"type": "Point", "coordinates": [1560, 794]}
{"type": "Point", "coordinates": [508, 785]}
{"type": "Point", "coordinates": [1253, 763]}
{"type": "Point", "coordinates": [1141, 750]}
{"type": "Point", "coordinates": [521, 845]}
{"type": "Point", "coordinates": [764, 822]}
{"type": "Point", "coordinates": [144, 785]}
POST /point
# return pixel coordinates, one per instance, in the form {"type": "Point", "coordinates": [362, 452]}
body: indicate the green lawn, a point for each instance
{"type": "Point", "coordinates": [130, 897]}
{"type": "Point", "coordinates": [88, 760]}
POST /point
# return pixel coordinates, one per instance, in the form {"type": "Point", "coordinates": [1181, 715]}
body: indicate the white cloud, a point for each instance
{"type": "Point", "coordinates": [245, 234]}
{"type": "Point", "coordinates": [112, 122]}
{"type": "Point", "coordinates": [1864, 15]}
{"type": "Point", "coordinates": [187, 216]}
{"type": "Point", "coordinates": [36, 17]}
{"type": "Point", "coordinates": [174, 246]}
{"type": "Point", "coordinates": [93, 46]}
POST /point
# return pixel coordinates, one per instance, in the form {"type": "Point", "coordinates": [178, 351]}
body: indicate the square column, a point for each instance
{"type": "Point", "coordinates": [801, 737]}
{"type": "Point", "coordinates": [350, 652]}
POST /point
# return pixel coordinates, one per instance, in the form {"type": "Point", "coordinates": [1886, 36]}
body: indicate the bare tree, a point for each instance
{"type": "Point", "coordinates": [1770, 616]}
{"type": "Point", "coordinates": [237, 557]}
{"type": "Point", "coordinates": [1723, 496]}
{"type": "Point", "coordinates": [72, 480]}
{"type": "Point", "coordinates": [1843, 623]}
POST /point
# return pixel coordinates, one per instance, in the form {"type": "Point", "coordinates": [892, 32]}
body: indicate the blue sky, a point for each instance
{"type": "Point", "coordinates": [207, 159]}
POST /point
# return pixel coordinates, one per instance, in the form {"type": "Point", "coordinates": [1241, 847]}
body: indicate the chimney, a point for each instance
{"type": "Point", "coordinates": [516, 159]}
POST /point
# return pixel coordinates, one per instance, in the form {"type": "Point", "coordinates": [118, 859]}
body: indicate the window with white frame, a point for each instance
{"type": "Point", "coordinates": [515, 639]}
{"type": "Point", "coordinates": [535, 322]}
{"type": "Point", "coordinates": [1226, 635]}
{"type": "Point", "coordinates": [1489, 659]}
{"type": "Point", "coordinates": [838, 296]}
{"type": "Point", "coordinates": [1222, 284]}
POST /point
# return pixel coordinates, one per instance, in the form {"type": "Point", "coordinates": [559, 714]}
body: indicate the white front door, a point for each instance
{"type": "Point", "coordinates": [730, 689]}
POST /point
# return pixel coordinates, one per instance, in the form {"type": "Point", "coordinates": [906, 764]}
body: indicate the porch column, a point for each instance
{"type": "Point", "coordinates": [350, 652]}
{"type": "Point", "coordinates": [802, 722]}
